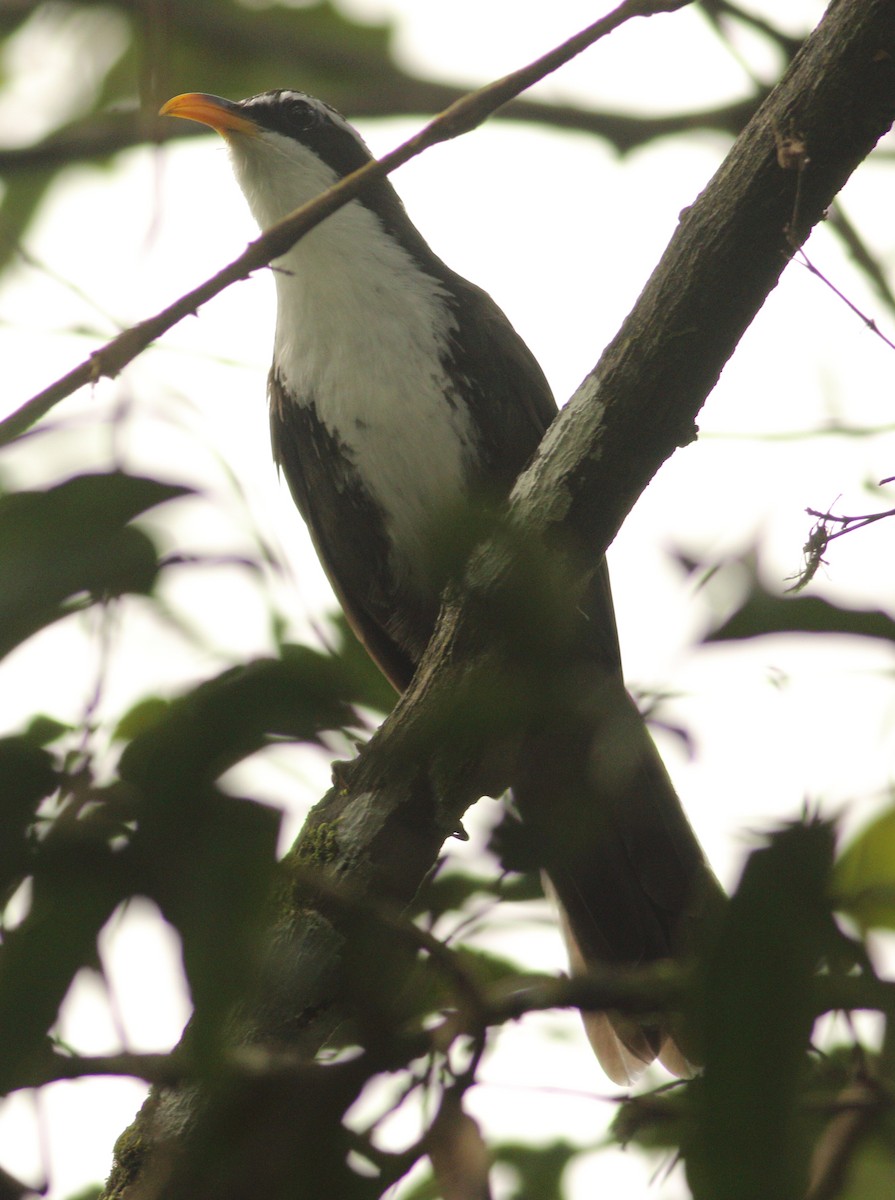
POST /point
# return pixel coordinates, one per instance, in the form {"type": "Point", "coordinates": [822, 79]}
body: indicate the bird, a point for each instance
{"type": "Point", "coordinates": [399, 391]}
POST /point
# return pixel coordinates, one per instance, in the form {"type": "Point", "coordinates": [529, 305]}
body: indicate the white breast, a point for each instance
{"type": "Point", "coordinates": [361, 331]}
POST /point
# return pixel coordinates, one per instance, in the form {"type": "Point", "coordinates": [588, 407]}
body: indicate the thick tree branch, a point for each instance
{"type": "Point", "coordinates": [641, 401]}
{"type": "Point", "coordinates": [636, 408]}
{"type": "Point", "coordinates": [452, 735]}
{"type": "Point", "coordinates": [444, 744]}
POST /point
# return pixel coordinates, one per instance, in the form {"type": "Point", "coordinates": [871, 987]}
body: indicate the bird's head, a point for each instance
{"type": "Point", "coordinates": [286, 147]}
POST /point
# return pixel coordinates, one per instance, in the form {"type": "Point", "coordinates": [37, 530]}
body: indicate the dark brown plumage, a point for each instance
{"type": "Point", "coordinates": [398, 390]}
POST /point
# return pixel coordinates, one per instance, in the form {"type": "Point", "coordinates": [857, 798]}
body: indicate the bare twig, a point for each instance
{"type": "Point", "coordinates": [849, 524]}
{"type": "Point", "coordinates": [871, 324]}
{"type": "Point", "coordinates": [793, 154]}
{"type": "Point", "coordinates": [460, 117]}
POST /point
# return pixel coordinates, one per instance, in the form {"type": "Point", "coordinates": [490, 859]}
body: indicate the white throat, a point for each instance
{"type": "Point", "coordinates": [361, 332]}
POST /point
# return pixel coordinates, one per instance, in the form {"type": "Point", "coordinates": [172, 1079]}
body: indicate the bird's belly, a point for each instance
{"type": "Point", "coordinates": [416, 469]}
{"type": "Point", "coordinates": [407, 441]}
{"type": "Point", "coordinates": [375, 493]}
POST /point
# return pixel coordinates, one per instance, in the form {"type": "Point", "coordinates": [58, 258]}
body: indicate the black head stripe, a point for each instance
{"type": "Point", "coordinates": [316, 125]}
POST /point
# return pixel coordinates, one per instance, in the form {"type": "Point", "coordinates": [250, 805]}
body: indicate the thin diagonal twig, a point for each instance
{"type": "Point", "coordinates": [460, 117]}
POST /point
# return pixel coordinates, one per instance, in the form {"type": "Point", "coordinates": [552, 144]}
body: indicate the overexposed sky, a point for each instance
{"type": "Point", "coordinates": [563, 235]}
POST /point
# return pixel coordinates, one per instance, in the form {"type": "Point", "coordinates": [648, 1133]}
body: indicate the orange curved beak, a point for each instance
{"type": "Point", "coordinates": [221, 115]}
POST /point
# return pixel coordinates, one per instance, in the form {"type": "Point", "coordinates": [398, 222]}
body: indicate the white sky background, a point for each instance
{"type": "Point", "coordinates": [563, 235]}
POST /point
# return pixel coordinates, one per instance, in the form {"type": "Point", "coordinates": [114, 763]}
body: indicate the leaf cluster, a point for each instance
{"type": "Point", "coordinates": [83, 832]}
{"type": "Point", "coordinates": [159, 824]}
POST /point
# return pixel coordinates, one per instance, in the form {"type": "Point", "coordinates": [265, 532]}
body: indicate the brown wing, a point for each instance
{"type": "Point", "coordinates": [622, 860]}
{"type": "Point", "coordinates": [356, 561]}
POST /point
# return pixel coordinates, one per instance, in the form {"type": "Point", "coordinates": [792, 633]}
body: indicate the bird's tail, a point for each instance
{"type": "Point", "coordinates": [623, 863]}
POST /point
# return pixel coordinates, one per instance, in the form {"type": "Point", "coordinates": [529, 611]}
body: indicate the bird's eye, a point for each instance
{"type": "Point", "coordinates": [302, 115]}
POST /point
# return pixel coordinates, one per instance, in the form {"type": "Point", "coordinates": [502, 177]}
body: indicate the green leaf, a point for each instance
{"type": "Point", "coordinates": [755, 1015]}
{"type": "Point", "coordinates": [369, 686]}
{"type": "Point", "coordinates": [530, 1171]}
{"type": "Point", "coordinates": [27, 776]}
{"type": "Point", "coordinates": [209, 858]}
{"type": "Point", "coordinates": [486, 968]}
{"type": "Point", "coordinates": [222, 721]}
{"type": "Point", "coordinates": [659, 1120]}
{"type": "Point", "coordinates": [93, 1191]}
{"type": "Point", "coordinates": [870, 1168]}
{"type": "Point", "coordinates": [864, 876]}
{"type": "Point", "coordinates": [77, 883]}
{"type": "Point", "coordinates": [43, 730]}
{"type": "Point", "coordinates": [143, 716]}
{"type": "Point", "coordinates": [211, 869]}
{"type": "Point", "coordinates": [512, 841]}
{"type": "Point", "coordinates": [539, 1170]}
{"type": "Point", "coordinates": [64, 548]}
{"type": "Point", "coordinates": [22, 195]}
{"type": "Point", "coordinates": [763, 613]}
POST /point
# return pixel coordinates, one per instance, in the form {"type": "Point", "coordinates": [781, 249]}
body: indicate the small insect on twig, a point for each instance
{"type": "Point", "coordinates": [813, 551]}
{"type": "Point", "coordinates": [822, 534]}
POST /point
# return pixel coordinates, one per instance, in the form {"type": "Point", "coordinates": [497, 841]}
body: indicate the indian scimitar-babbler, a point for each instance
{"type": "Point", "coordinates": [400, 391]}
